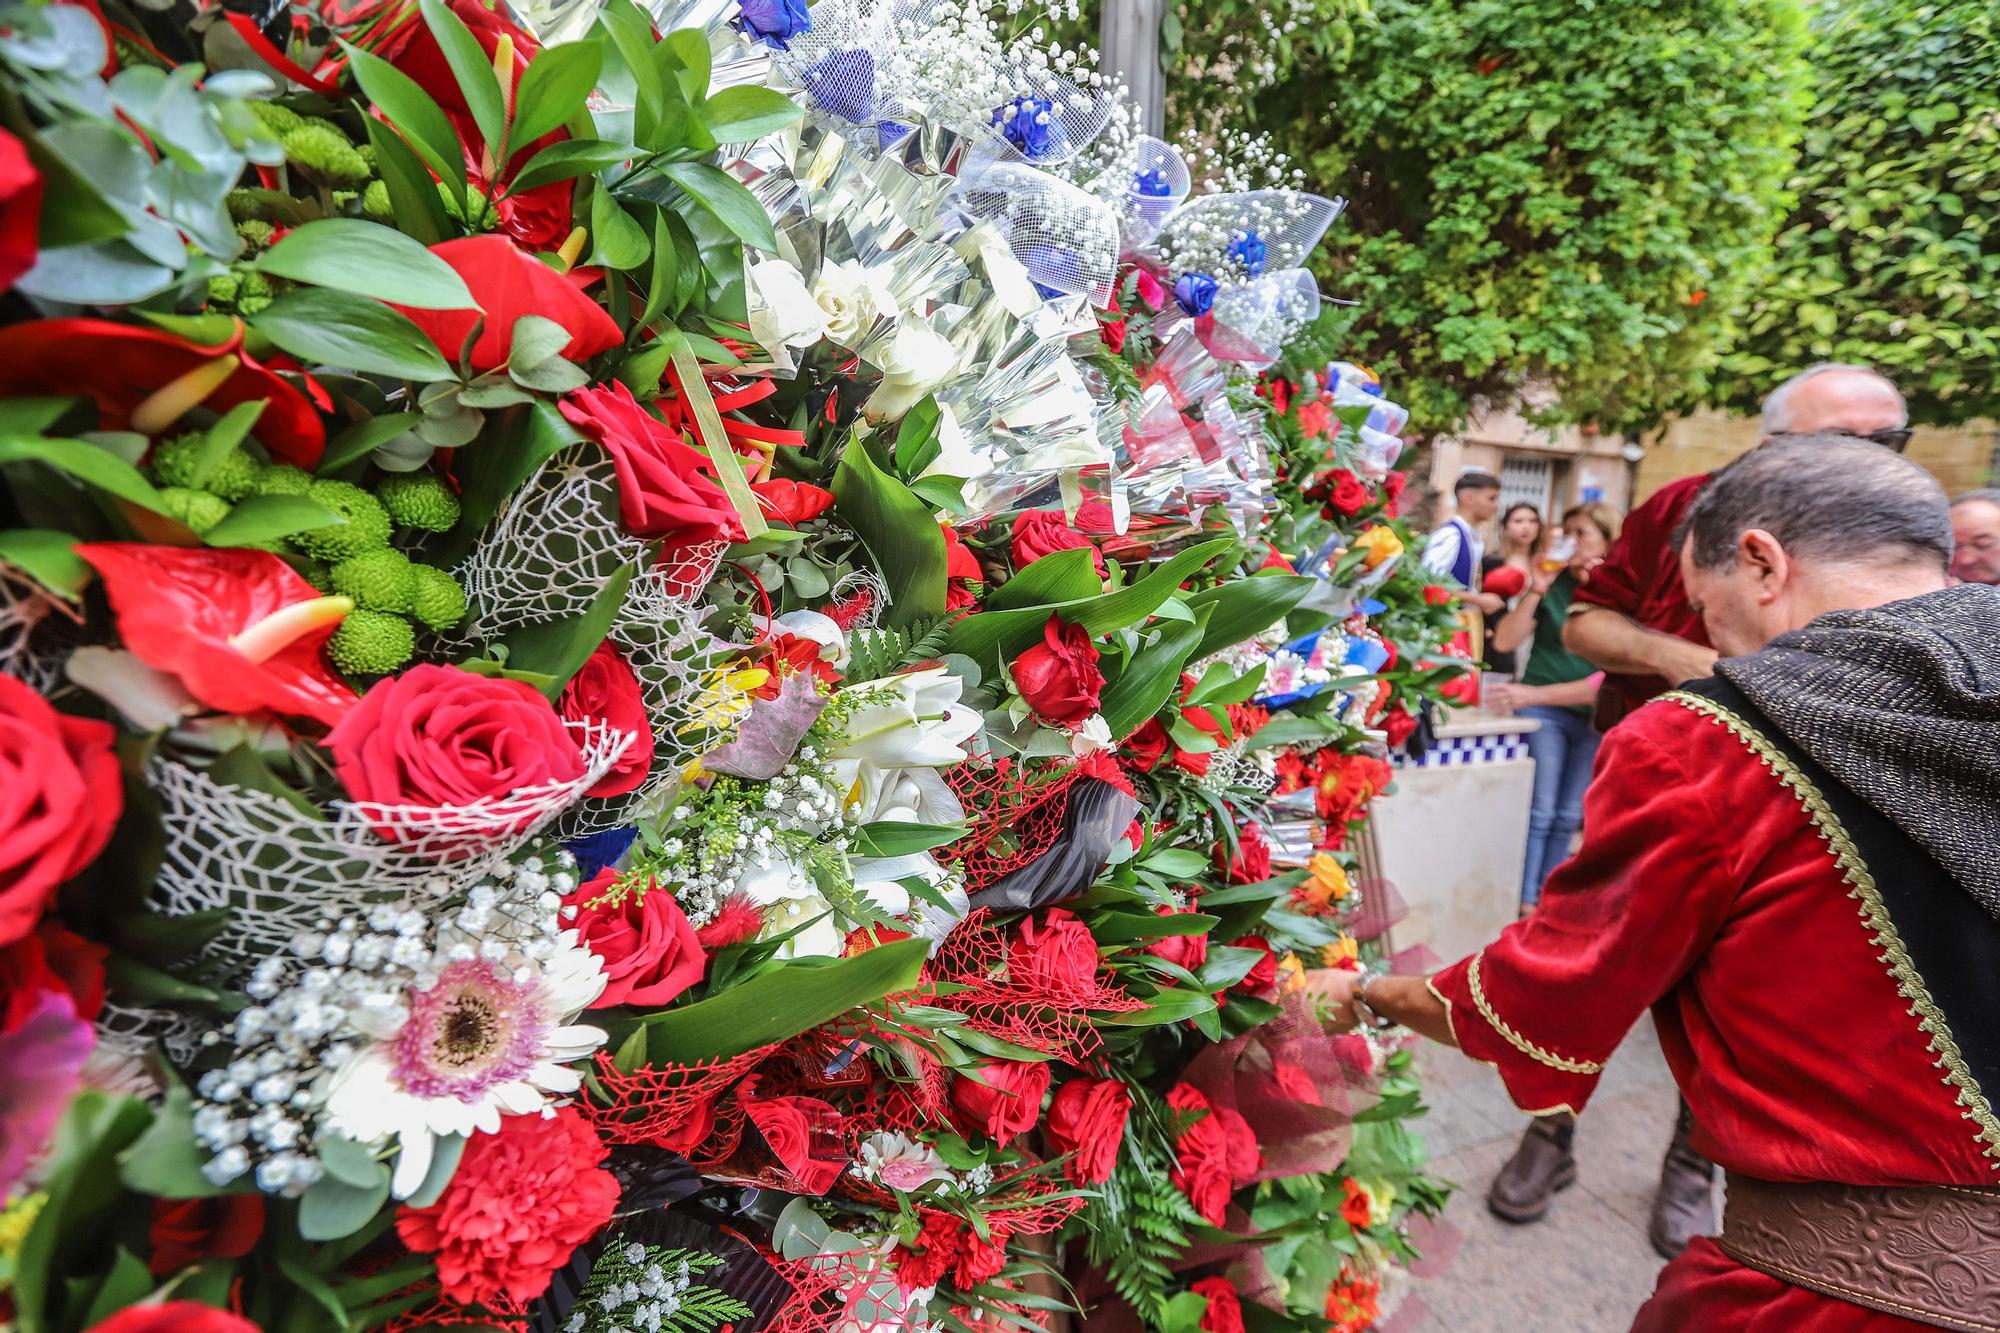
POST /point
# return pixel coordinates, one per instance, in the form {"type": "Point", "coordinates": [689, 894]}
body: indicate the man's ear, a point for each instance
{"type": "Point", "coordinates": [1767, 559]}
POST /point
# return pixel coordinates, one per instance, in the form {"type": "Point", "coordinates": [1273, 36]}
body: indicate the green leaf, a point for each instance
{"type": "Point", "coordinates": [354, 443]}
{"type": "Point", "coordinates": [1129, 927]}
{"type": "Point", "coordinates": [725, 197]}
{"type": "Point", "coordinates": [224, 436]}
{"type": "Point", "coordinates": [473, 69]}
{"type": "Point", "coordinates": [367, 259]}
{"type": "Point", "coordinates": [1003, 634]}
{"type": "Point", "coordinates": [1247, 607]}
{"type": "Point", "coordinates": [332, 1208]}
{"type": "Point", "coordinates": [668, 257]}
{"type": "Point", "coordinates": [566, 160]}
{"type": "Point", "coordinates": [444, 1164]}
{"type": "Point", "coordinates": [747, 111]}
{"type": "Point", "coordinates": [899, 532]}
{"type": "Point", "coordinates": [128, 1283]}
{"type": "Point", "coordinates": [1065, 576]}
{"type": "Point", "coordinates": [87, 463]}
{"type": "Point", "coordinates": [616, 240]}
{"type": "Point", "coordinates": [419, 119]}
{"type": "Point", "coordinates": [166, 1160]}
{"type": "Point", "coordinates": [166, 938]}
{"type": "Point", "coordinates": [49, 558]}
{"type": "Point", "coordinates": [689, 49]}
{"type": "Point", "coordinates": [894, 838]}
{"type": "Point", "coordinates": [782, 1003]}
{"type": "Point", "coordinates": [350, 332]}
{"type": "Point", "coordinates": [140, 983]}
{"type": "Point", "coordinates": [413, 197]}
{"type": "Point", "coordinates": [32, 416]}
{"type": "Point", "coordinates": [266, 518]}
{"type": "Point", "coordinates": [554, 88]}
{"type": "Point", "coordinates": [1173, 1005]}
{"type": "Point", "coordinates": [558, 648]}
{"type": "Point", "coordinates": [503, 461]}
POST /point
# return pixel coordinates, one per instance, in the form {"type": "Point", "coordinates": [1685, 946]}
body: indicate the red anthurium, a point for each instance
{"type": "Point", "coordinates": [792, 502]}
{"type": "Point", "coordinates": [20, 209]}
{"type": "Point", "coordinates": [507, 284]}
{"type": "Point", "coordinates": [239, 629]}
{"type": "Point", "coordinates": [146, 379]}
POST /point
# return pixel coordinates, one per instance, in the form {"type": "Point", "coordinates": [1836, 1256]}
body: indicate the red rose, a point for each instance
{"type": "Point", "coordinates": [1058, 677]}
{"type": "Point", "coordinates": [1189, 951]}
{"type": "Point", "coordinates": [1392, 492]}
{"type": "Point", "coordinates": [792, 502]}
{"type": "Point", "coordinates": [519, 1204]}
{"type": "Point", "coordinates": [649, 950]}
{"type": "Point", "coordinates": [1040, 532]}
{"type": "Point", "coordinates": [1435, 595]}
{"type": "Point", "coordinates": [1215, 1155]}
{"type": "Point", "coordinates": [1355, 1209]}
{"type": "Point", "coordinates": [1225, 1308]}
{"type": "Point", "coordinates": [605, 690]}
{"type": "Point", "coordinates": [1252, 862]}
{"type": "Point", "coordinates": [60, 795]}
{"type": "Point", "coordinates": [1152, 292]}
{"type": "Point", "coordinates": [1399, 724]}
{"type": "Point", "coordinates": [664, 487]}
{"type": "Point", "coordinates": [174, 1317]}
{"type": "Point", "coordinates": [438, 736]}
{"type": "Point", "coordinates": [47, 959]}
{"type": "Point", "coordinates": [1087, 1119]}
{"type": "Point", "coordinates": [187, 1231]}
{"type": "Point", "coordinates": [1007, 1103]}
{"type": "Point", "coordinates": [20, 210]}
{"type": "Point", "coordinates": [1350, 494]}
{"type": "Point", "coordinates": [962, 573]}
{"type": "Point", "coordinates": [1261, 979]}
{"type": "Point", "coordinates": [1112, 330]}
{"type": "Point", "coordinates": [804, 1134]}
{"type": "Point", "coordinates": [508, 283]}
{"type": "Point", "coordinates": [1056, 957]}
{"type": "Point", "coordinates": [1146, 747]}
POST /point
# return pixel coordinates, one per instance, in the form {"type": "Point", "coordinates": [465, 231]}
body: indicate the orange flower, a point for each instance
{"type": "Point", "coordinates": [1352, 1304]}
{"type": "Point", "coordinates": [1355, 1209]}
{"type": "Point", "coordinates": [1380, 543]}
{"type": "Point", "coordinates": [1325, 884]}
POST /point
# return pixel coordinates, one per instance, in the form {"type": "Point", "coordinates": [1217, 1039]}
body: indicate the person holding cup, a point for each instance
{"type": "Point", "coordinates": [1557, 688]}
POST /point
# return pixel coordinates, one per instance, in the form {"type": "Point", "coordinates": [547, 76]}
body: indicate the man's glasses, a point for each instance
{"type": "Point", "coordinates": [1892, 440]}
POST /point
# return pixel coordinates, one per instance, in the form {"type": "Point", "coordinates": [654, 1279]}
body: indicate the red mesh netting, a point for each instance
{"type": "Point", "coordinates": [679, 1107]}
{"type": "Point", "coordinates": [833, 1292]}
{"type": "Point", "coordinates": [445, 1313]}
{"type": "Point", "coordinates": [1015, 811]}
{"type": "Point", "coordinates": [1037, 1014]}
{"type": "Point", "coordinates": [1381, 907]}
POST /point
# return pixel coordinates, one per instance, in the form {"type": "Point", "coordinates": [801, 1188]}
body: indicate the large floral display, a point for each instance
{"type": "Point", "coordinates": [686, 669]}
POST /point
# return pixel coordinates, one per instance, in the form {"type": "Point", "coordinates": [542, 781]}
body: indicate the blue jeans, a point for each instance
{"type": "Point", "coordinates": [1564, 747]}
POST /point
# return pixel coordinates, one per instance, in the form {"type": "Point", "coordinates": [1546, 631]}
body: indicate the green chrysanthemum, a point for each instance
{"type": "Point", "coordinates": [326, 152]}
{"type": "Point", "coordinates": [377, 580]}
{"type": "Point", "coordinates": [198, 509]}
{"type": "Point", "coordinates": [281, 479]}
{"type": "Point", "coordinates": [437, 600]}
{"type": "Point", "coordinates": [366, 528]}
{"type": "Point", "coordinates": [371, 643]}
{"type": "Point", "coordinates": [232, 476]}
{"type": "Point", "coordinates": [419, 500]}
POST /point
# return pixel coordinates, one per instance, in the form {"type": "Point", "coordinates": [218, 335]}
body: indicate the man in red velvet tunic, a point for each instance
{"type": "Point", "coordinates": [1793, 865]}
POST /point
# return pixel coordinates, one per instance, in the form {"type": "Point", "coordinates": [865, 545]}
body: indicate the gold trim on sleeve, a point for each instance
{"type": "Point", "coordinates": [1875, 919]}
{"type": "Point", "coordinates": [1515, 1039]}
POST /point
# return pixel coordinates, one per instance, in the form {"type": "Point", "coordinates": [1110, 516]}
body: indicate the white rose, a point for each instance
{"type": "Point", "coordinates": [851, 297]}
{"type": "Point", "coordinates": [782, 312]}
{"type": "Point", "coordinates": [914, 362]}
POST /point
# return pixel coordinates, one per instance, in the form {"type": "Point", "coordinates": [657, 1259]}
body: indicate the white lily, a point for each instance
{"type": "Point", "coordinates": [914, 720]}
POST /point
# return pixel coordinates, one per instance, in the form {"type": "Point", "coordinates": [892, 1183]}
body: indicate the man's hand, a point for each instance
{"type": "Point", "coordinates": [1492, 603]}
{"type": "Point", "coordinates": [1690, 662]}
{"type": "Point", "coordinates": [1332, 991]}
{"type": "Point", "coordinates": [1614, 642]}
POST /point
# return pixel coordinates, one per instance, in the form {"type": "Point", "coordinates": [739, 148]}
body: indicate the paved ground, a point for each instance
{"type": "Point", "coordinates": [1586, 1267]}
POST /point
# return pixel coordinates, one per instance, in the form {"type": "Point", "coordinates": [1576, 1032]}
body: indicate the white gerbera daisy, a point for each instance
{"type": "Point", "coordinates": [489, 1038]}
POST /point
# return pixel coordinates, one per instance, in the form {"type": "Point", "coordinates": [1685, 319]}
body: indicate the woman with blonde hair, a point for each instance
{"type": "Point", "coordinates": [1557, 688]}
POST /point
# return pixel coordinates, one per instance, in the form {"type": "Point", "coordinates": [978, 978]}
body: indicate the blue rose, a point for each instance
{"type": "Point", "coordinates": [594, 851]}
{"type": "Point", "coordinates": [843, 84]}
{"type": "Point", "coordinates": [1249, 250]}
{"type": "Point", "coordinates": [775, 22]}
{"type": "Point", "coordinates": [1029, 124]}
{"type": "Point", "coordinates": [1153, 184]}
{"type": "Point", "coordinates": [1196, 293]}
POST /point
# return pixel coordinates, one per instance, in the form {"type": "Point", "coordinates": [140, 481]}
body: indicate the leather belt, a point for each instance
{"type": "Point", "coordinates": [1928, 1254]}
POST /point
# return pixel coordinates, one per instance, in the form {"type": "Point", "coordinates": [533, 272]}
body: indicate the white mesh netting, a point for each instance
{"type": "Point", "coordinates": [23, 609]}
{"type": "Point", "coordinates": [279, 869]}
{"type": "Point", "coordinates": [1065, 237]}
{"type": "Point", "coordinates": [1254, 320]}
{"type": "Point", "coordinates": [1146, 183]}
{"type": "Point", "coordinates": [1245, 234]}
{"type": "Point", "coordinates": [1046, 117]}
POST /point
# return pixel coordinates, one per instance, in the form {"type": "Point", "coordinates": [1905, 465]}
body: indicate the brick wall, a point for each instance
{"type": "Point", "coordinates": [1962, 458]}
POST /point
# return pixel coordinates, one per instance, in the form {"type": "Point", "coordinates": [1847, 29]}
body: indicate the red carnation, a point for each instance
{"type": "Point", "coordinates": [60, 795]}
{"type": "Point", "coordinates": [187, 1231]}
{"type": "Point", "coordinates": [605, 690]}
{"type": "Point", "coordinates": [1225, 1308]}
{"type": "Point", "coordinates": [1435, 595]}
{"type": "Point", "coordinates": [804, 1134]}
{"type": "Point", "coordinates": [1087, 1119]}
{"type": "Point", "coordinates": [1040, 532]}
{"type": "Point", "coordinates": [979, 1260]}
{"type": "Point", "coordinates": [508, 283]}
{"type": "Point", "coordinates": [1009, 1100]}
{"type": "Point", "coordinates": [649, 950]}
{"type": "Point", "coordinates": [1350, 494]}
{"type": "Point", "coordinates": [519, 1204]}
{"type": "Point", "coordinates": [1399, 724]}
{"type": "Point", "coordinates": [792, 503]}
{"type": "Point", "coordinates": [1055, 956]}
{"type": "Point", "coordinates": [1315, 417]}
{"type": "Point", "coordinates": [173, 1317]}
{"type": "Point", "coordinates": [1215, 1155]}
{"type": "Point", "coordinates": [442, 737]}
{"type": "Point", "coordinates": [240, 629]}
{"type": "Point", "coordinates": [1058, 677]}
{"type": "Point", "coordinates": [924, 1262]}
{"type": "Point", "coordinates": [1355, 1209]}
{"type": "Point", "coordinates": [1392, 492]}
{"type": "Point", "coordinates": [20, 210]}
{"type": "Point", "coordinates": [962, 574]}
{"type": "Point", "coordinates": [1189, 951]}
{"type": "Point", "coordinates": [665, 488]}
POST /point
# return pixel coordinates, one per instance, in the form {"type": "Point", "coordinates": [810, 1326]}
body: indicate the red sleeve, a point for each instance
{"type": "Point", "coordinates": [1620, 923]}
{"type": "Point", "coordinates": [1632, 565]}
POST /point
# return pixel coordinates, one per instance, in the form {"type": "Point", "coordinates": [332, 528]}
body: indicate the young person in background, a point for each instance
{"type": "Point", "coordinates": [1557, 689]}
{"type": "Point", "coordinates": [1505, 573]}
{"type": "Point", "coordinates": [1455, 546]}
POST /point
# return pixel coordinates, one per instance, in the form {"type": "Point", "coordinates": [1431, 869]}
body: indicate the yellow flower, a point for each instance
{"type": "Point", "coordinates": [15, 1222]}
{"type": "Point", "coordinates": [723, 704]}
{"type": "Point", "coordinates": [1342, 950]}
{"type": "Point", "coordinates": [1380, 543]}
{"type": "Point", "coordinates": [1325, 884]}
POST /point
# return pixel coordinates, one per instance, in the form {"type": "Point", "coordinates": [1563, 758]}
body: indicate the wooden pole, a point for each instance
{"type": "Point", "coordinates": [1130, 38]}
